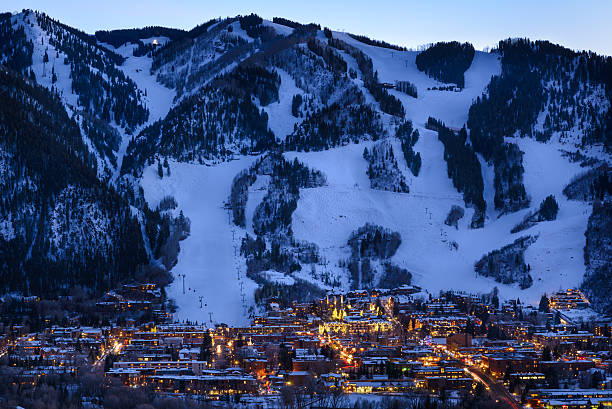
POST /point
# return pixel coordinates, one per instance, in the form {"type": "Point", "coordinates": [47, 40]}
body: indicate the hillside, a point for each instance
{"type": "Point", "coordinates": [282, 142]}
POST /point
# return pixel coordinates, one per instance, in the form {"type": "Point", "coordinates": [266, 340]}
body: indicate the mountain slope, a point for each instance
{"type": "Point", "coordinates": [57, 218]}
{"type": "Point", "coordinates": [437, 255]}
{"type": "Point", "coordinates": [306, 136]}
{"type": "Point", "coordinates": [66, 108]}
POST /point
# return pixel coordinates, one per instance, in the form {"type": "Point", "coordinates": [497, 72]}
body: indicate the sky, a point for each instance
{"type": "Point", "coordinates": [580, 25]}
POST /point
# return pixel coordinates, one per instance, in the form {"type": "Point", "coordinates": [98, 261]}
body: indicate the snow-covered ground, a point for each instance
{"type": "Point", "coordinates": [556, 258]}
{"type": "Point", "coordinates": [577, 316]}
{"type": "Point", "coordinates": [329, 214]}
{"type": "Point", "coordinates": [157, 97]}
{"type": "Point", "coordinates": [256, 194]}
{"type": "Point", "coordinates": [209, 257]}
{"type": "Point", "coordinates": [42, 70]}
{"type": "Point", "coordinates": [280, 119]}
{"type": "Point", "coordinates": [63, 81]}
{"type": "Point", "coordinates": [279, 28]}
{"type": "Point", "coordinates": [449, 106]}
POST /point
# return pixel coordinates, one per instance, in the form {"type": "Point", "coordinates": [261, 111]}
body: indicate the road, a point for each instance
{"type": "Point", "coordinates": [100, 361]}
{"type": "Point", "coordinates": [497, 390]}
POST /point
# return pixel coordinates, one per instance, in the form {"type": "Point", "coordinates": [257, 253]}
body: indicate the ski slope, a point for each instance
{"type": "Point", "coordinates": [216, 289]}
{"type": "Point", "coordinates": [328, 215]}
{"type": "Point", "coordinates": [280, 119]}
{"type": "Point", "coordinates": [557, 257]}
{"type": "Point", "coordinates": [157, 97]}
{"type": "Point", "coordinates": [449, 106]}
{"type": "Point", "coordinates": [208, 257]}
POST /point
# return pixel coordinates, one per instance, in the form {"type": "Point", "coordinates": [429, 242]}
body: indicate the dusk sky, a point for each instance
{"type": "Point", "coordinates": [574, 24]}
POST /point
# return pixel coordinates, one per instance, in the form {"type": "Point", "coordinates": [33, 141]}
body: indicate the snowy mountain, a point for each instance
{"type": "Point", "coordinates": [290, 160]}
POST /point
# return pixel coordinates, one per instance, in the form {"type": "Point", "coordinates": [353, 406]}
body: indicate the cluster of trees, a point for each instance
{"type": "Point", "coordinates": [254, 80]}
{"type": "Point", "coordinates": [506, 109]}
{"type": "Point", "coordinates": [539, 78]}
{"type": "Point", "coordinates": [117, 38]}
{"type": "Point", "coordinates": [445, 88]}
{"type": "Point", "coordinates": [407, 88]}
{"type": "Point", "coordinates": [296, 103]}
{"type": "Point", "coordinates": [275, 166]}
{"type": "Point", "coordinates": [594, 184]}
{"type": "Point", "coordinates": [163, 233]}
{"type": "Point", "coordinates": [144, 49]}
{"type": "Point", "coordinates": [463, 169]}
{"type": "Point", "coordinates": [104, 137]}
{"type": "Point", "coordinates": [547, 211]}
{"type": "Point", "coordinates": [377, 43]}
{"type": "Point", "coordinates": [287, 294]}
{"type": "Point", "coordinates": [273, 214]}
{"type": "Point", "coordinates": [335, 125]}
{"type": "Point", "coordinates": [279, 258]}
{"type": "Point", "coordinates": [199, 63]}
{"type": "Point", "coordinates": [370, 244]}
{"type": "Point", "coordinates": [239, 194]}
{"type": "Point", "coordinates": [253, 27]}
{"type": "Point", "coordinates": [272, 224]}
{"type": "Point", "coordinates": [480, 399]}
{"type": "Point", "coordinates": [296, 25]}
{"type": "Point", "coordinates": [15, 48]}
{"type": "Point", "coordinates": [548, 208]}
{"type": "Point", "coordinates": [67, 227]}
{"type": "Point", "coordinates": [446, 61]}
{"type": "Point", "coordinates": [510, 194]}
{"type": "Point", "coordinates": [212, 124]}
{"type": "Point", "coordinates": [85, 389]}
{"type": "Point", "coordinates": [455, 214]}
{"type": "Point", "coordinates": [115, 100]}
{"type": "Point", "coordinates": [374, 241]}
{"type": "Point", "coordinates": [394, 276]}
{"type": "Point", "coordinates": [174, 48]}
{"type": "Point", "coordinates": [333, 60]}
{"type": "Point", "coordinates": [388, 103]}
{"type": "Point", "coordinates": [103, 90]}
{"type": "Point", "coordinates": [202, 28]}
{"type": "Point", "coordinates": [511, 104]}
{"type": "Point", "coordinates": [261, 257]}
{"type": "Point", "coordinates": [383, 170]}
{"type": "Point", "coordinates": [311, 74]}
{"type": "Point", "coordinates": [597, 283]}
{"type": "Point", "coordinates": [408, 138]}
{"type": "Point", "coordinates": [361, 272]}
{"type": "Point", "coordinates": [507, 265]}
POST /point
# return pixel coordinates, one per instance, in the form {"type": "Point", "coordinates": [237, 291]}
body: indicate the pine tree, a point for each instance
{"type": "Point", "coordinates": [544, 304]}
{"type": "Point", "coordinates": [167, 166]}
{"type": "Point", "coordinates": [205, 348]}
{"type": "Point", "coordinates": [548, 208]}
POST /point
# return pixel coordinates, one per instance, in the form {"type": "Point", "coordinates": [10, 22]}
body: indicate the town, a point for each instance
{"type": "Point", "coordinates": [328, 353]}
